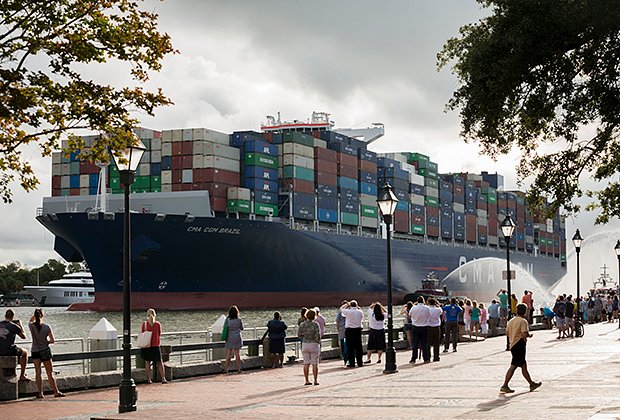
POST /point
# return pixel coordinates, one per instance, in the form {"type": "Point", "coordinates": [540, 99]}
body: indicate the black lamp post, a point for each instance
{"type": "Point", "coordinates": [127, 164]}
{"type": "Point", "coordinates": [508, 228]}
{"type": "Point", "coordinates": [387, 205]}
{"type": "Point", "coordinates": [577, 242]}
{"type": "Point", "coordinates": [617, 249]}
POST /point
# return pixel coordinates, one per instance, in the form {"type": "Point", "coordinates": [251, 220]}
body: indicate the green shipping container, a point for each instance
{"type": "Point", "coordinates": [432, 166]}
{"type": "Point", "coordinates": [113, 169]}
{"type": "Point", "coordinates": [417, 157]}
{"type": "Point", "coordinates": [258, 159]}
{"type": "Point", "coordinates": [418, 229]}
{"type": "Point", "coordinates": [299, 138]}
{"type": "Point", "coordinates": [155, 182]}
{"type": "Point", "coordinates": [240, 206]}
{"type": "Point", "coordinates": [431, 201]}
{"type": "Point", "coordinates": [492, 199]}
{"type": "Point", "coordinates": [117, 191]}
{"type": "Point", "coordinates": [115, 183]}
{"type": "Point", "coordinates": [262, 209]}
{"type": "Point", "coordinates": [349, 219]}
{"type": "Point", "coordinates": [430, 182]}
{"type": "Point", "coordinates": [370, 211]}
{"type": "Point", "coordinates": [65, 191]}
{"type": "Point", "coordinates": [298, 172]}
{"type": "Point", "coordinates": [428, 173]}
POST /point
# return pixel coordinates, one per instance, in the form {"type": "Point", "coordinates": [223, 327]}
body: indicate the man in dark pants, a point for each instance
{"type": "Point", "coordinates": [451, 314]}
{"type": "Point", "coordinates": [353, 332]}
{"type": "Point", "coordinates": [518, 332]}
{"type": "Point", "coordinates": [420, 314]}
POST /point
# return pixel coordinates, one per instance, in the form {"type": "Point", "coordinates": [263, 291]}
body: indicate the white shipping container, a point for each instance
{"type": "Point", "coordinates": [416, 199]}
{"type": "Point", "coordinates": [56, 169]}
{"type": "Point", "coordinates": [416, 179]}
{"type": "Point", "coordinates": [458, 207]}
{"type": "Point", "coordinates": [56, 158]}
{"type": "Point", "coordinates": [221, 150]}
{"type": "Point", "coordinates": [396, 156]}
{"type": "Point", "coordinates": [144, 169]}
{"type": "Point", "coordinates": [146, 157]}
{"type": "Point", "coordinates": [368, 200]}
{"type": "Point", "coordinates": [187, 176]}
{"type": "Point", "coordinates": [221, 163]}
{"type": "Point", "coordinates": [65, 169]}
{"type": "Point", "coordinates": [166, 188]}
{"type": "Point", "coordinates": [65, 181]}
{"type": "Point", "coordinates": [166, 149]}
{"type": "Point", "coordinates": [155, 156]}
{"type": "Point", "coordinates": [297, 160]}
{"type": "Point", "coordinates": [198, 161]}
{"type": "Point", "coordinates": [549, 225]}
{"type": "Point", "coordinates": [187, 134]}
{"type": "Point", "coordinates": [166, 136]}
{"type": "Point", "coordinates": [370, 222]}
{"type": "Point", "coordinates": [84, 191]}
{"type": "Point", "coordinates": [474, 177]}
{"type": "Point", "coordinates": [432, 192]}
{"type": "Point", "coordinates": [155, 144]}
{"type": "Point", "coordinates": [198, 147]}
{"type": "Point", "coordinates": [177, 135]}
{"type": "Point", "coordinates": [320, 143]}
{"type": "Point", "coordinates": [492, 240]}
{"type": "Point", "coordinates": [211, 135]}
{"type": "Point", "coordinates": [64, 144]}
{"type": "Point", "coordinates": [482, 213]}
{"type": "Point", "coordinates": [166, 177]}
{"type": "Point", "coordinates": [297, 149]}
{"type": "Point", "coordinates": [84, 180]}
{"type": "Point", "coordinates": [239, 193]}
{"type": "Point", "coordinates": [542, 227]}
{"type": "Point", "coordinates": [409, 168]}
{"type": "Point", "coordinates": [482, 221]}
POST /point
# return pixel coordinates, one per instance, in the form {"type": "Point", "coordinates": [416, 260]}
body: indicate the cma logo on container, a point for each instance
{"type": "Point", "coordinates": [485, 271]}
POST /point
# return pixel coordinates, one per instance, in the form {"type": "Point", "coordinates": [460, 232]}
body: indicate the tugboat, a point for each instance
{"type": "Point", "coordinates": [431, 288]}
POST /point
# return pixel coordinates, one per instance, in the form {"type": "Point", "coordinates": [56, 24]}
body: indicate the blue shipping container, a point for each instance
{"type": "Point", "coordinates": [417, 189]}
{"type": "Point", "coordinates": [349, 206]}
{"type": "Point", "coordinates": [417, 209]}
{"type": "Point", "coordinates": [260, 172]}
{"type": "Point", "coordinates": [74, 181]}
{"type": "Point", "coordinates": [367, 177]}
{"type": "Point", "coordinates": [166, 163]}
{"type": "Point", "coordinates": [260, 146]}
{"type": "Point", "coordinates": [326, 191]}
{"type": "Point", "coordinates": [393, 172]}
{"type": "Point", "coordinates": [402, 205]}
{"type": "Point", "coordinates": [369, 189]}
{"type": "Point", "coordinates": [299, 212]}
{"type": "Point", "coordinates": [342, 148]}
{"type": "Point", "coordinates": [330, 203]}
{"type": "Point", "coordinates": [303, 199]}
{"type": "Point", "coordinates": [261, 184]}
{"type": "Point", "coordinates": [383, 162]}
{"type": "Point", "coordinates": [155, 169]}
{"type": "Point", "coordinates": [327, 215]}
{"type": "Point", "coordinates": [446, 232]}
{"type": "Point", "coordinates": [348, 183]}
{"type": "Point", "coordinates": [237, 138]}
{"type": "Point", "coordinates": [349, 194]}
{"type": "Point", "coordinates": [266, 197]}
{"type": "Point", "coordinates": [92, 190]}
{"type": "Point", "coordinates": [93, 180]}
{"type": "Point", "coordinates": [367, 155]}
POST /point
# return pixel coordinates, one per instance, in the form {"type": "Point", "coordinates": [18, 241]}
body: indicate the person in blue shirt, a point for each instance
{"type": "Point", "coordinates": [451, 313]}
{"type": "Point", "coordinates": [548, 316]}
{"type": "Point", "coordinates": [493, 318]}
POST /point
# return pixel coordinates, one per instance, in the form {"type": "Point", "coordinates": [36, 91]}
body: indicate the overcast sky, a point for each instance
{"type": "Point", "coordinates": [361, 61]}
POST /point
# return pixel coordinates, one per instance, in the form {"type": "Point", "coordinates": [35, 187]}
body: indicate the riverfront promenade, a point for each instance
{"type": "Point", "coordinates": [581, 380]}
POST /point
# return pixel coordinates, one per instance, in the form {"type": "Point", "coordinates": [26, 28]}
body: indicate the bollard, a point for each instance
{"type": "Point", "coordinates": [266, 353]}
{"type": "Point", "coordinates": [8, 378]}
{"type": "Point", "coordinates": [103, 337]}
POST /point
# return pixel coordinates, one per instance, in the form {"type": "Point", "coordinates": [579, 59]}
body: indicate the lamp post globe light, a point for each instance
{"type": "Point", "coordinates": [577, 242]}
{"type": "Point", "coordinates": [127, 164]}
{"type": "Point", "coordinates": [387, 205]}
{"type": "Point", "coordinates": [508, 228]}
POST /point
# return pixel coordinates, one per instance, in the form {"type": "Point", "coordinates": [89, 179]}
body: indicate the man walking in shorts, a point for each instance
{"type": "Point", "coordinates": [518, 332]}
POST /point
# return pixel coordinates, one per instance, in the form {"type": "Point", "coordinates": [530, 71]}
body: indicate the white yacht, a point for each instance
{"type": "Point", "coordinates": [72, 288]}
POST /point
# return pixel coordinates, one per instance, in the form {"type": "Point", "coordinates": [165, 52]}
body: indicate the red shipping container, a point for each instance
{"type": "Point", "coordinates": [198, 186]}
{"type": "Point", "coordinates": [177, 176]}
{"type": "Point", "coordinates": [492, 224]}
{"type": "Point", "coordinates": [177, 148]}
{"type": "Point", "coordinates": [187, 147]}
{"type": "Point", "coordinates": [521, 244]}
{"type": "Point", "coordinates": [482, 230]}
{"type": "Point", "coordinates": [177, 162]}
{"type": "Point", "coordinates": [74, 191]}
{"type": "Point", "coordinates": [55, 192]}
{"type": "Point", "coordinates": [56, 181]}
{"type": "Point", "coordinates": [267, 136]}
{"type": "Point", "coordinates": [401, 222]}
{"type": "Point", "coordinates": [458, 190]}
{"type": "Point", "coordinates": [297, 185]}
{"type": "Point", "coordinates": [186, 187]}
{"type": "Point", "coordinates": [87, 167]}
{"type": "Point", "coordinates": [198, 175]}
{"type": "Point", "coordinates": [324, 178]}
{"type": "Point", "coordinates": [367, 166]}
{"type": "Point", "coordinates": [434, 211]}
{"type": "Point", "coordinates": [187, 162]}
{"type": "Point", "coordinates": [432, 231]}
{"type": "Point", "coordinates": [222, 176]}
{"type": "Point", "coordinates": [325, 154]}
{"type": "Point", "coordinates": [417, 219]}
{"type": "Point", "coordinates": [347, 171]}
{"type": "Point", "coordinates": [316, 134]}
{"type": "Point", "coordinates": [216, 189]}
{"type": "Point", "coordinates": [322, 165]}
{"type": "Point", "coordinates": [176, 187]}
{"type": "Point", "coordinates": [345, 159]}
{"type": "Point", "coordinates": [219, 203]}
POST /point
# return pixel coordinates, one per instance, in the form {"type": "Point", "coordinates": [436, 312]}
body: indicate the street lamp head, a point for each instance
{"type": "Point", "coordinates": [129, 159]}
{"type": "Point", "coordinates": [508, 227]}
{"type": "Point", "coordinates": [387, 201]}
{"type": "Point", "coordinates": [577, 240]}
{"type": "Point", "coordinates": [617, 248]}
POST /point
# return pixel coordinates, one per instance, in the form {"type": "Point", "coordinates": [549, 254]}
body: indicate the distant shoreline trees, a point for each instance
{"type": "Point", "coordinates": [14, 276]}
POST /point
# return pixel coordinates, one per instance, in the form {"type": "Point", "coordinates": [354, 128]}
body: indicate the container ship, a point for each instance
{"type": "Point", "coordinates": [288, 217]}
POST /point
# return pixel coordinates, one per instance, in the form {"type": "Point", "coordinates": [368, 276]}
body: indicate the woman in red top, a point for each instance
{"type": "Point", "coordinates": [153, 353]}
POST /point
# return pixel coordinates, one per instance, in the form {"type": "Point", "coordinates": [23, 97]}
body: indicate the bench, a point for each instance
{"type": "Point", "coordinates": [8, 378]}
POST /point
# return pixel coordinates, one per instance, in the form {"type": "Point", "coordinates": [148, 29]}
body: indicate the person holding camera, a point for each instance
{"type": "Point", "coordinates": [9, 328]}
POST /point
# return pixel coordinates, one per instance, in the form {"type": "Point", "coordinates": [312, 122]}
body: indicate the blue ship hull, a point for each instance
{"type": "Point", "coordinates": [210, 262]}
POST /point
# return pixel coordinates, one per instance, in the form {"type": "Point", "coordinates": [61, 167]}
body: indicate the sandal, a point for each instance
{"type": "Point", "coordinates": [59, 395]}
{"type": "Point", "coordinates": [308, 383]}
{"type": "Point", "coordinates": [163, 381]}
{"type": "Point", "coordinates": [316, 383]}
{"type": "Point", "coordinates": [40, 396]}
{"type": "Point", "coordinates": [25, 379]}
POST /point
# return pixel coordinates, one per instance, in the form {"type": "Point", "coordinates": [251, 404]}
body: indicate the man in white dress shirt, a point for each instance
{"type": "Point", "coordinates": [353, 332]}
{"type": "Point", "coordinates": [434, 327]}
{"type": "Point", "coordinates": [419, 315]}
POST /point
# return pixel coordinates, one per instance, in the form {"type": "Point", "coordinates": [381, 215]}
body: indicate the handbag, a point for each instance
{"type": "Point", "coordinates": [224, 334]}
{"type": "Point", "coordinates": [46, 354]}
{"type": "Point", "coordinates": [144, 339]}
